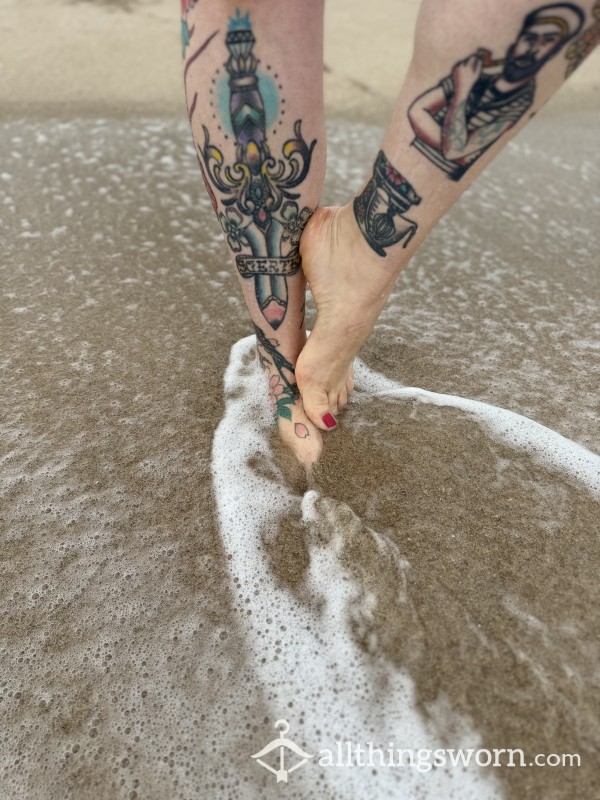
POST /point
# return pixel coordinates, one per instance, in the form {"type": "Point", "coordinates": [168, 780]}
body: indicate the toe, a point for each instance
{"type": "Point", "coordinates": [342, 399]}
{"type": "Point", "coordinates": [333, 402]}
{"type": "Point", "coordinates": [350, 381]}
{"type": "Point", "coordinates": [317, 408]}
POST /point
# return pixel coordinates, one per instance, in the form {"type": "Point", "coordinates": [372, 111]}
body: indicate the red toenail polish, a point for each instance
{"type": "Point", "coordinates": [329, 420]}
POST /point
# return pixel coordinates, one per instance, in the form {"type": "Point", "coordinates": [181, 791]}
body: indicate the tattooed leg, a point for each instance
{"type": "Point", "coordinates": [253, 80]}
{"type": "Point", "coordinates": [451, 119]}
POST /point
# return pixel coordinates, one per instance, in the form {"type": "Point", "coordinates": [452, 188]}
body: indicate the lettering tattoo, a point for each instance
{"type": "Point", "coordinates": [379, 209]}
{"type": "Point", "coordinates": [261, 214]}
{"type": "Point", "coordinates": [471, 108]}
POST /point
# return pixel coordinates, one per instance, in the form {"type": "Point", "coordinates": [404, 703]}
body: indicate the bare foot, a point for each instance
{"type": "Point", "coordinates": [350, 284]}
{"type": "Point", "coordinates": [301, 436]}
{"type": "Point", "coordinates": [295, 428]}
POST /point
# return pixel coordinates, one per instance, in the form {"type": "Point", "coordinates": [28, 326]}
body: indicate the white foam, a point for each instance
{"type": "Point", "coordinates": [542, 444]}
{"type": "Point", "coordinates": [303, 649]}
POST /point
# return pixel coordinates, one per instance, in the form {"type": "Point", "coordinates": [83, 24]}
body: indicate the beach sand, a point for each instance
{"type": "Point", "coordinates": [172, 584]}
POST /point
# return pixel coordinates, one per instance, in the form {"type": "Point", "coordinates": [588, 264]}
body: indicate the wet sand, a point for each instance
{"type": "Point", "coordinates": [172, 584]}
{"type": "Point", "coordinates": [125, 638]}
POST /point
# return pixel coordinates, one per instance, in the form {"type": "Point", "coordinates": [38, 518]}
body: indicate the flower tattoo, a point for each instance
{"type": "Point", "coordinates": [294, 222]}
{"type": "Point", "coordinates": [231, 223]}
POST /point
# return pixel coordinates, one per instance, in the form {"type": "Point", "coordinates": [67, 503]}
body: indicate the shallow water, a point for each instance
{"type": "Point", "coordinates": [172, 585]}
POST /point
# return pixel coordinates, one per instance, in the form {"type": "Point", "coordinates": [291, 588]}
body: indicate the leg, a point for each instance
{"type": "Point", "coordinates": [479, 72]}
{"type": "Point", "coordinates": [254, 87]}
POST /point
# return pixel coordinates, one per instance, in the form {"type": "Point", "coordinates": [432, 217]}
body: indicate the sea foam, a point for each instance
{"type": "Point", "coordinates": [298, 644]}
{"type": "Point", "coordinates": [542, 444]}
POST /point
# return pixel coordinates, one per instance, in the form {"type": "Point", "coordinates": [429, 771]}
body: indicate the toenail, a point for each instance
{"type": "Point", "coordinates": [329, 420]}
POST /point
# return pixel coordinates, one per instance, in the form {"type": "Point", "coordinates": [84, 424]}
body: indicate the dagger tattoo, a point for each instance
{"type": "Point", "coordinates": [262, 221]}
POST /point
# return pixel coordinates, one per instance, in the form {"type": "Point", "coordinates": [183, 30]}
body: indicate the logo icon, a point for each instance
{"type": "Point", "coordinates": [282, 743]}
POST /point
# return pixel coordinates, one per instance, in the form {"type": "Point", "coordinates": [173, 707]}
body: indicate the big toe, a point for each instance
{"type": "Point", "coordinates": [317, 407]}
